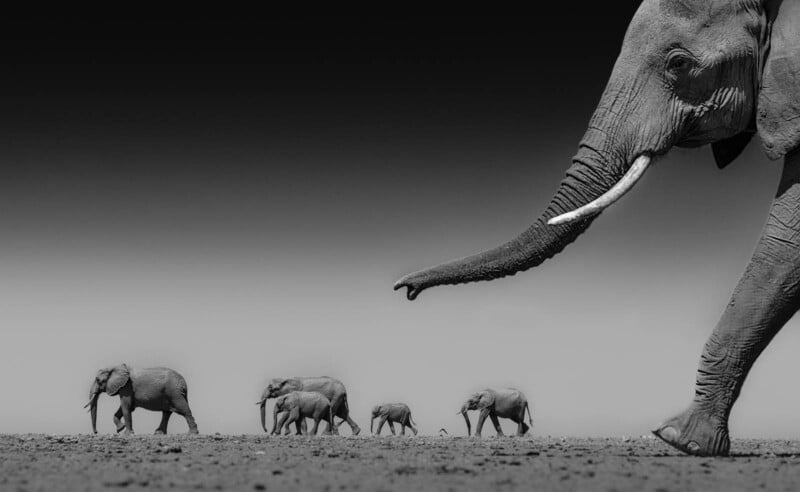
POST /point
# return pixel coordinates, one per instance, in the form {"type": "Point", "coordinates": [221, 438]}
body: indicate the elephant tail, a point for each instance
{"type": "Point", "coordinates": [530, 416]}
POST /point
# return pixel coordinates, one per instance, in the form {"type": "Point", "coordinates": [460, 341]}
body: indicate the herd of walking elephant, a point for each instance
{"type": "Point", "coordinates": [321, 399]}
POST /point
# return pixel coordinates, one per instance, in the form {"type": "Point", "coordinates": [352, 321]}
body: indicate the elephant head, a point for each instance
{"type": "Point", "coordinates": [689, 73]}
{"type": "Point", "coordinates": [376, 411]}
{"type": "Point", "coordinates": [280, 406]}
{"type": "Point", "coordinates": [111, 380]}
{"type": "Point", "coordinates": [478, 401]}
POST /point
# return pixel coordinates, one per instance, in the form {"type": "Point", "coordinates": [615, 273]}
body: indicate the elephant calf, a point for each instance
{"type": "Point", "coordinates": [157, 388]}
{"type": "Point", "coordinates": [392, 413]}
{"type": "Point", "coordinates": [505, 403]}
{"type": "Point", "coordinates": [296, 407]}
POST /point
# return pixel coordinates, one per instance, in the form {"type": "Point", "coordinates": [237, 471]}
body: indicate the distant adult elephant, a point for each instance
{"type": "Point", "coordinates": [299, 405]}
{"type": "Point", "coordinates": [392, 413]}
{"type": "Point", "coordinates": [330, 388]}
{"type": "Point", "coordinates": [506, 403]}
{"type": "Point", "coordinates": [689, 73]}
{"type": "Point", "coordinates": [157, 388]}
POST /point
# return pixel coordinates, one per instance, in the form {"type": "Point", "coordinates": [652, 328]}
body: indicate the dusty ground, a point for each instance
{"type": "Point", "coordinates": [38, 462]}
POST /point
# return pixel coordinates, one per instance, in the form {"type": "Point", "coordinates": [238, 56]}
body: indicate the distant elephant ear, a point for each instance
{"type": "Point", "coordinates": [778, 117]}
{"type": "Point", "coordinates": [486, 401]}
{"type": "Point", "coordinates": [118, 378]}
{"type": "Point", "coordinates": [726, 151]}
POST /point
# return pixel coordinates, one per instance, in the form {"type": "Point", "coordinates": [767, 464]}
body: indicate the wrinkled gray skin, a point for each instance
{"type": "Point", "coordinates": [507, 403]}
{"type": "Point", "coordinates": [299, 405]}
{"type": "Point", "coordinates": [157, 388]}
{"type": "Point", "coordinates": [689, 73]}
{"type": "Point", "coordinates": [330, 388]}
{"type": "Point", "coordinates": [392, 413]}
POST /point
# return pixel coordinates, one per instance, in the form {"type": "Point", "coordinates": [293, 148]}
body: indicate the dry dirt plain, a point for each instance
{"type": "Point", "coordinates": [39, 462]}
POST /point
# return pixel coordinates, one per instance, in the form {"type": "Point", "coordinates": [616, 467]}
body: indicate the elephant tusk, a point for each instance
{"type": "Point", "coordinates": [616, 192]}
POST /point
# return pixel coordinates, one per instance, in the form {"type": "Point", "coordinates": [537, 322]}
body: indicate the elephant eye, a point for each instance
{"type": "Point", "coordinates": [679, 62]}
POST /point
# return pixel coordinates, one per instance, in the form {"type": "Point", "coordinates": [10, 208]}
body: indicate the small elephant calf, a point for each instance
{"type": "Point", "coordinates": [157, 388]}
{"type": "Point", "coordinates": [299, 405]}
{"type": "Point", "coordinates": [393, 413]}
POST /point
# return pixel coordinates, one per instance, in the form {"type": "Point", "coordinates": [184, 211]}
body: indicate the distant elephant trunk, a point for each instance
{"type": "Point", "coordinates": [275, 429]}
{"type": "Point", "coordinates": [463, 412]}
{"type": "Point", "coordinates": [94, 394]}
{"type": "Point", "coordinates": [371, 420]}
{"type": "Point", "coordinates": [591, 184]}
{"type": "Point", "coordinates": [264, 415]}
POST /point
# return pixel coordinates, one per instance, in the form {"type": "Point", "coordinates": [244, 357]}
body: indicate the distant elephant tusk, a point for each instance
{"type": "Point", "coordinates": [616, 192]}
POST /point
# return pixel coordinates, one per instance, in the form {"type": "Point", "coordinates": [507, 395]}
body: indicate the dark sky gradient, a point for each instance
{"type": "Point", "coordinates": [235, 198]}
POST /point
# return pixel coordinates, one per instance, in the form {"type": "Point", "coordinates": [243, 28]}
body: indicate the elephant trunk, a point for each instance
{"type": "Point", "coordinates": [94, 394]}
{"type": "Point", "coordinates": [469, 426]}
{"type": "Point", "coordinates": [463, 412]}
{"type": "Point", "coordinates": [594, 181]}
{"type": "Point", "coordinates": [263, 409]}
{"type": "Point", "coordinates": [275, 429]}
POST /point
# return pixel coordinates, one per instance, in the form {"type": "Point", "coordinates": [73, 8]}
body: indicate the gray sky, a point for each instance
{"type": "Point", "coordinates": [247, 221]}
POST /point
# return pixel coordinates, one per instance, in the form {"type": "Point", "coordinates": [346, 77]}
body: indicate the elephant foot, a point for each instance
{"type": "Point", "coordinates": [356, 430]}
{"type": "Point", "coordinates": [127, 432]}
{"type": "Point", "coordinates": [120, 428]}
{"type": "Point", "coordinates": [160, 432]}
{"type": "Point", "coordinates": [194, 431]}
{"type": "Point", "coordinates": [525, 429]}
{"type": "Point", "coordinates": [697, 433]}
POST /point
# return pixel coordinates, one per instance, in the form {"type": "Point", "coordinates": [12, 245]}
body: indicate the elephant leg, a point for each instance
{"type": "Point", "coordinates": [391, 427]}
{"type": "Point", "coordinates": [181, 407]}
{"type": "Point", "coordinates": [767, 296]}
{"type": "Point", "coordinates": [303, 426]}
{"type": "Point", "coordinates": [162, 427]}
{"type": "Point", "coordinates": [481, 419]}
{"type": "Point", "coordinates": [496, 423]}
{"type": "Point", "coordinates": [339, 409]}
{"type": "Point", "coordinates": [403, 429]}
{"type": "Point", "coordinates": [280, 425]}
{"type": "Point", "coordinates": [315, 429]}
{"type": "Point", "coordinates": [522, 428]}
{"type": "Point", "coordinates": [126, 405]}
{"type": "Point", "coordinates": [380, 426]}
{"type": "Point", "coordinates": [117, 420]}
{"type": "Point", "coordinates": [329, 430]}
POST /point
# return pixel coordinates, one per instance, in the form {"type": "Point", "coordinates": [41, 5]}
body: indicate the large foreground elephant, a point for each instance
{"type": "Point", "coordinates": [689, 73]}
{"type": "Point", "coordinates": [508, 403]}
{"type": "Point", "coordinates": [330, 388]}
{"type": "Point", "coordinates": [157, 388]}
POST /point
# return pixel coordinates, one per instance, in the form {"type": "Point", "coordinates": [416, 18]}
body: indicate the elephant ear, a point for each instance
{"type": "Point", "coordinates": [778, 116]}
{"type": "Point", "coordinates": [725, 151]}
{"type": "Point", "coordinates": [486, 401]}
{"type": "Point", "coordinates": [118, 378]}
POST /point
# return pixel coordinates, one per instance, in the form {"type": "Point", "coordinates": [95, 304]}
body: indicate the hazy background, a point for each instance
{"type": "Point", "coordinates": [234, 199]}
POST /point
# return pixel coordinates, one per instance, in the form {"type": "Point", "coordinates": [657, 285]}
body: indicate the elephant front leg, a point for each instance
{"type": "Point", "coordinates": [315, 429]}
{"type": "Point", "coordinates": [120, 426]}
{"type": "Point", "coordinates": [277, 430]}
{"type": "Point", "coordinates": [380, 426]}
{"type": "Point", "coordinates": [126, 405]}
{"type": "Point", "coordinates": [481, 419]}
{"type": "Point", "coordinates": [765, 298]}
{"type": "Point", "coordinates": [496, 424]}
{"type": "Point", "coordinates": [391, 427]}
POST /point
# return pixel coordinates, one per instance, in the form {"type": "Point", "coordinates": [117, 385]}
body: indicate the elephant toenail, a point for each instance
{"type": "Point", "coordinates": [669, 433]}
